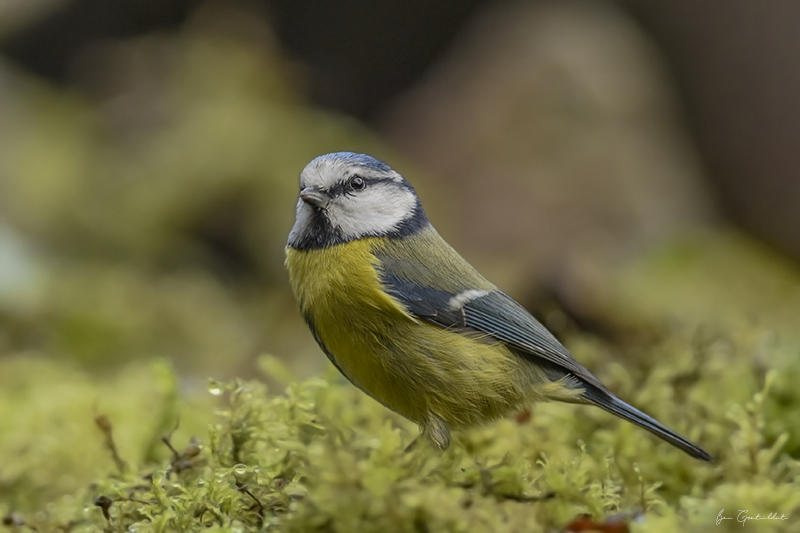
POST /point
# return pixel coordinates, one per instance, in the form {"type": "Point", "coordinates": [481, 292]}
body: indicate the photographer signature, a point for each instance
{"type": "Point", "coordinates": [744, 516]}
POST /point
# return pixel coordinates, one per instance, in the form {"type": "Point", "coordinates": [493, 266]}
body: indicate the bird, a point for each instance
{"type": "Point", "coordinates": [411, 323]}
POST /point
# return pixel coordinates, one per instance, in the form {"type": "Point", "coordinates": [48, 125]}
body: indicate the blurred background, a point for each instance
{"type": "Point", "coordinates": [150, 149]}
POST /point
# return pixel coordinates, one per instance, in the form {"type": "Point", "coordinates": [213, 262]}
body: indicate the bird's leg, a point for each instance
{"type": "Point", "coordinates": [438, 432]}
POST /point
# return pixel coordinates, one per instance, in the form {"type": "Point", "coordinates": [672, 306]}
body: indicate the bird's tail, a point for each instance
{"type": "Point", "coordinates": [616, 406]}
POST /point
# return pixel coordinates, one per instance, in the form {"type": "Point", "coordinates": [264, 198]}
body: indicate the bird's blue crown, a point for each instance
{"type": "Point", "coordinates": [352, 158]}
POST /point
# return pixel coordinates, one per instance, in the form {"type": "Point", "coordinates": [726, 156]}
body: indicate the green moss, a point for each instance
{"type": "Point", "coordinates": [323, 456]}
{"type": "Point", "coordinates": [51, 445]}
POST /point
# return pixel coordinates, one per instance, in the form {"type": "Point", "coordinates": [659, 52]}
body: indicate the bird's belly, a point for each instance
{"type": "Point", "coordinates": [419, 370]}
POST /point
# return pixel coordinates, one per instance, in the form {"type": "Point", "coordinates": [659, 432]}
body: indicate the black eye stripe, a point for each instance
{"type": "Point", "coordinates": [338, 188]}
{"type": "Point", "coordinates": [345, 186]}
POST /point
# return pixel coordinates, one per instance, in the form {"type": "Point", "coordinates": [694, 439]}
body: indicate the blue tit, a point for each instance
{"type": "Point", "coordinates": [409, 322]}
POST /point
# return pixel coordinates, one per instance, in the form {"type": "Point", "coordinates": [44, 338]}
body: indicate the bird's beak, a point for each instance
{"type": "Point", "coordinates": [314, 197]}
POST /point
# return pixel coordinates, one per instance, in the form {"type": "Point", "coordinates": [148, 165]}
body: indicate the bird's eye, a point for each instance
{"type": "Point", "coordinates": [357, 183]}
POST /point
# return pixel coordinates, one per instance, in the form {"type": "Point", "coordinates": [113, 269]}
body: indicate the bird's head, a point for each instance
{"type": "Point", "coordinates": [346, 196]}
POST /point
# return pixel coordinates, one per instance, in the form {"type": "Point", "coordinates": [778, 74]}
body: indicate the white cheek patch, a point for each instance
{"type": "Point", "coordinates": [463, 298]}
{"type": "Point", "coordinates": [377, 210]}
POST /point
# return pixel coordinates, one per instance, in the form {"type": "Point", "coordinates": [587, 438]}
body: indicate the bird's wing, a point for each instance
{"type": "Point", "coordinates": [488, 311]}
